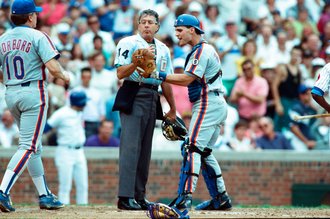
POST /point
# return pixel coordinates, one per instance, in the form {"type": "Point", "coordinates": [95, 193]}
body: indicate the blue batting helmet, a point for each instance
{"type": "Point", "coordinates": [188, 21]}
{"type": "Point", "coordinates": [78, 98]}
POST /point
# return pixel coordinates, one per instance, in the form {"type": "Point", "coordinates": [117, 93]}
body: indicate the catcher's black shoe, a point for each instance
{"type": "Point", "coordinates": [182, 202]}
{"type": "Point", "coordinates": [144, 203]}
{"type": "Point", "coordinates": [221, 203]}
{"type": "Point", "coordinates": [128, 204]}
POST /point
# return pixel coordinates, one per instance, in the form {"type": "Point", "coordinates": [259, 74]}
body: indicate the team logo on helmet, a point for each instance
{"type": "Point", "coordinates": [195, 62]}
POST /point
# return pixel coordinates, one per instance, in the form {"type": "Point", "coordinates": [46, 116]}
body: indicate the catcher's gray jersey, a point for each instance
{"type": "Point", "coordinates": [23, 52]}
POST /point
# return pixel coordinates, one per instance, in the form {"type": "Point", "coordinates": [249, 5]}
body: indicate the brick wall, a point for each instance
{"type": "Point", "coordinates": [251, 178]}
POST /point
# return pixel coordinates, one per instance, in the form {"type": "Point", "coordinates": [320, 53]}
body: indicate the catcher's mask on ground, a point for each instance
{"type": "Point", "coordinates": [174, 130]}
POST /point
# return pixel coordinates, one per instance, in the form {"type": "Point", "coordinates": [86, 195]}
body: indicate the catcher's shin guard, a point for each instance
{"type": "Point", "coordinates": [210, 179]}
{"type": "Point", "coordinates": [184, 199]}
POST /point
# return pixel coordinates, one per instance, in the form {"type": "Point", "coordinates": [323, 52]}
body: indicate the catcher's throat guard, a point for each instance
{"type": "Point", "coordinates": [174, 130]}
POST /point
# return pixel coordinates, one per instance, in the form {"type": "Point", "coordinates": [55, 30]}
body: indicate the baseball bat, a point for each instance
{"type": "Point", "coordinates": [297, 118]}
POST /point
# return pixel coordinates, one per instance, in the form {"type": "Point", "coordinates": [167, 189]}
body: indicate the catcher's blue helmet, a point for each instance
{"type": "Point", "coordinates": [188, 21]}
{"type": "Point", "coordinates": [78, 98]}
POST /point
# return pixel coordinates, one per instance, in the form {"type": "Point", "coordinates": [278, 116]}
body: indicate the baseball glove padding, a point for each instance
{"type": "Point", "coordinates": [144, 59]}
{"type": "Point", "coordinates": [162, 211]}
{"type": "Point", "coordinates": [174, 130]}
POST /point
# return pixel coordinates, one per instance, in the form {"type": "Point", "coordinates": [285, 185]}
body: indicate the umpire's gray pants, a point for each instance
{"type": "Point", "coordinates": [135, 144]}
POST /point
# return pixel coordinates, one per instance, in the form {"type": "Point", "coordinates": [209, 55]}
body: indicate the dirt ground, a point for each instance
{"type": "Point", "coordinates": [112, 212]}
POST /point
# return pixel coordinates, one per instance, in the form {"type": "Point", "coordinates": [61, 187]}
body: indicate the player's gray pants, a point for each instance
{"type": "Point", "coordinates": [208, 114]}
{"type": "Point", "coordinates": [29, 107]}
{"type": "Point", "coordinates": [135, 144]}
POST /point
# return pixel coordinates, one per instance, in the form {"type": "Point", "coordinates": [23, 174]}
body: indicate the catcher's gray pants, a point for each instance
{"type": "Point", "coordinates": [135, 144]}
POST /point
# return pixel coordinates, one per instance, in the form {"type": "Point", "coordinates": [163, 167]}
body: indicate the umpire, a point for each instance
{"type": "Point", "coordinates": [138, 103]}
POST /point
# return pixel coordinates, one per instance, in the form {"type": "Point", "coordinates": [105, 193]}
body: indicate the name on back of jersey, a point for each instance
{"type": "Point", "coordinates": [15, 44]}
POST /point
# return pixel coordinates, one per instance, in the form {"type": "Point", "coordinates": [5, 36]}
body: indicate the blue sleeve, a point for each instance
{"type": "Point", "coordinates": [47, 128]}
{"type": "Point", "coordinates": [317, 91]}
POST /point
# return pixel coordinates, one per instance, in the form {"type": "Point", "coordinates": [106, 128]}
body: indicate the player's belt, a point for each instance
{"type": "Point", "coordinates": [75, 147]}
{"type": "Point", "coordinates": [141, 84]}
{"type": "Point", "coordinates": [26, 84]}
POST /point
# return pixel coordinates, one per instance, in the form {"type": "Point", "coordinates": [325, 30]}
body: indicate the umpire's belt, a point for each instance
{"type": "Point", "coordinates": [141, 84]}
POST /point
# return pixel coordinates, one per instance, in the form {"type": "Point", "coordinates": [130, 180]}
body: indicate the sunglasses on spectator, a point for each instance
{"type": "Point", "coordinates": [263, 125]}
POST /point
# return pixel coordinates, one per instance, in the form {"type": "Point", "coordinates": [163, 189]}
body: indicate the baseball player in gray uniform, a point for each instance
{"type": "Point", "coordinates": [24, 54]}
{"type": "Point", "coordinates": [322, 86]}
{"type": "Point", "coordinates": [203, 77]}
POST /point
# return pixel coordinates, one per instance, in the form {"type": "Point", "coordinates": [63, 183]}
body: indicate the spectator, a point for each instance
{"type": "Point", "coordinates": [212, 23]}
{"type": "Point", "coordinates": [229, 47]}
{"type": "Point", "coordinates": [86, 39]}
{"type": "Point", "coordinates": [285, 88]}
{"type": "Point", "coordinates": [283, 48]}
{"type": "Point", "coordinates": [9, 133]}
{"type": "Point", "coordinates": [63, 41]}
{"type": "Point", "coordinates": [303, 22]}
{"type": "Point", "coordinates": [99, 47]}
{"type": "Point", "coordinates": [302, 138]}
{"type": "Point", "coordinates": [266, 44]}
{"type": "Point", "coordinates": [240, 142]}
{"type": "Point", "coordinates": [57, 94]}
{"type": "Point", "coordinates": [53, 11]}
{"type": "Point", "coordinates": [306, 65]}
{"type": "Point", "coordinates": [268, 72]}
{"type": "Point", "coordinates": [123, 20]}
{"type": "Point", "coordinates": [70, 159]}
{"type": "Point", "coordinates": [166, 13]}
{"type": "Point", "coordinates": [250, 92]}
{"type": "Point", "coordinates": [271, 139]}
{"type": "Point", "coordinates": [77, 61]}
{"type": "Point", "coordinates": [249, 51]}
{"type": "Point", "coordinates": [104, 138]}
{"type": "Point", "coordinates": [180, 93]}
{"type": "Point", "coordinates": [94, 111]}
{"type": "Point", "coordinates": [103, 80]}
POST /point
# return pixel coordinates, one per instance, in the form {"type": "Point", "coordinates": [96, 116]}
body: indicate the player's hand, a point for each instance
{"type": "Point", "coordinates": [171, 115]}
{"type": "Point", "coordinates": [66, 77]}
{"type": "Point", "coordinates": [310, 144]}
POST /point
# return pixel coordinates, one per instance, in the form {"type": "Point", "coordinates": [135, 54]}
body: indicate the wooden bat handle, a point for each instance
{"type": "Point", "coordinates": [297, 118]}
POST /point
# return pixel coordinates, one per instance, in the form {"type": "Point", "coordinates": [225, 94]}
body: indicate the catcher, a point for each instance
{"type": "Point", "coordinates": [139, 105]}
{"type": "Point", "coordinates": [203, 77]}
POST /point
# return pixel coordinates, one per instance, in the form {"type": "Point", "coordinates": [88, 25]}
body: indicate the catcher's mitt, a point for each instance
{"type": "Point", "coordinates": [144, 60]}
{"type": "Point", "coordinates": [162, 211]}
{"type": "Point", "coordinates": [174, 131]}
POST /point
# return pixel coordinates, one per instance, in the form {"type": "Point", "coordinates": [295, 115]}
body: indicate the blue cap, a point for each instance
{"type": "Point", "coordinates": [188, 21]}
{"type": "Point", "coordinates": [24, 7]}
{"type": "Point", "coordinates": [303, 88]}
{"type": "Point", "coordinates": [125, 3]}
{"type": "Point", "coordinates": [78, 98]}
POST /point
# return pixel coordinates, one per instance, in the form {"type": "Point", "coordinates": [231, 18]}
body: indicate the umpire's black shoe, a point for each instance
{"type": "Point", "coordinates": [144, 203]}
{"type": "Point", "coordinates": [128, 204]}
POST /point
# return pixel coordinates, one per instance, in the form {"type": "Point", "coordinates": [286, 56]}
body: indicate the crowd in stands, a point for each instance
{"type": "Point", "coordinates": [271, 52]}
